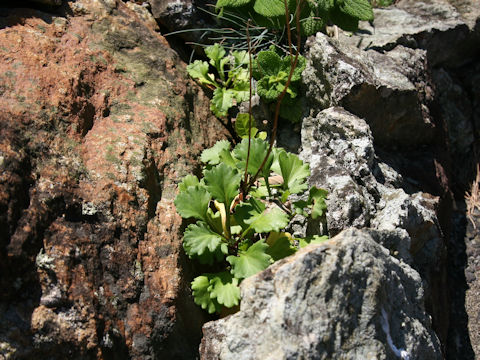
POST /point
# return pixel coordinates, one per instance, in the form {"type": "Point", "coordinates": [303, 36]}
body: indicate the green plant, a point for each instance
{"type": "Point", "coordinates": [272, 72]}
{"type": "Point", "coordinates": [314, 14]}
{"type": "Point", "coordinates": [230, 82]}
{"type": "Point", "coordinates": [241, 234]}
{"type": "Point", "coordinates": [243, 203]}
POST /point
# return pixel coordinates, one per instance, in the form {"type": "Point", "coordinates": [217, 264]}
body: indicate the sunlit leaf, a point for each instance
{"type": "Point", "coordinates": [250, 262]}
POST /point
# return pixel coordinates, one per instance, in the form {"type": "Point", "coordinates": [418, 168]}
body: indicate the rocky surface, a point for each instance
{"type": "Point", "coordinates": [348, 298]}
{"type": "Point", "coordinates": [99, 122]}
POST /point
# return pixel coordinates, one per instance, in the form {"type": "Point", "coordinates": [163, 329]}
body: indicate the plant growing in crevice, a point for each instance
{"type": "Point", "coordinates": [243, 203]}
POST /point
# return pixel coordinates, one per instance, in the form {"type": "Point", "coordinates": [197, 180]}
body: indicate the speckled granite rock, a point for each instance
{"type": "Point", "coordinates": [345, 299]}
{"type": "Point", "coordinates": [99, 122]}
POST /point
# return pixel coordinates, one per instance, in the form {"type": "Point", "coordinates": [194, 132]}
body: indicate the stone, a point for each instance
{"type": "Point", "coordinates": [390, 91]}
{"type": "Point", "coordinates": [99, 123]}
{"type": "Point", "coordinates": [427, 25]}
{"type": "Point", "coordinates": [347, 298]}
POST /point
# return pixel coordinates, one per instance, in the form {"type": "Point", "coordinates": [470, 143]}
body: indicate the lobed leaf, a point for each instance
{"type": "Point", "coordinates": [294, 172]}
{"type": "Point", "coordinates": [241, 126]}
{"type": "Point", "coordinates": [199, 70]}
{"type": "Point", "coordinates": [224, 288]}
{"type": "Point", "coordinates": [258, 151]}
{"type": "Point", "coordinates": [317, 197]}
{"type": "Point", "coordinates": [187, 181]}
{"type": "Point", "coordinates": [251, 261]}
{"type": "Point", "coordinates": [199, 241]}
{"type": "Point", "coordinates": [201, 293]}
{"type": "Point", "coordinates": [222, 100]}
{"type": "Point", "coordinates": [193, 202]}
{"type": "Point", "coordinates": [281, 248]}
{"type": "Point", "coordinates": [223, 182]}
{"type": "Point", "coordinates": [212, 155]}
{"type": "Point", "coordinates": [254, 215]}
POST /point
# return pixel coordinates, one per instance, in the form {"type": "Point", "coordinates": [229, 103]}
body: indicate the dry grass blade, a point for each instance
{"type": "Point", "coordinates": [472, 197]}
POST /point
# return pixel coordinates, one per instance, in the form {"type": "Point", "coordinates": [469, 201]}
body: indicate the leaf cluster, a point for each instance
{"type": "Point", "coordinates": [271, 72]}
{"type": "Point", "coordinates": [239, 233]}
{"type": "Point", "coordinates": [314, 14]}
{"type": "Point", "coordinates": [227, 75]}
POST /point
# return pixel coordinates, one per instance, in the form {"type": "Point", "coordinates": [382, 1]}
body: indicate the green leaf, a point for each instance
{"type": "Point", "coordinates": [187, 181]}
{"type": "Point", "coordinates": [201, 294]}
{"type": "Point", "coordinates": [193, 202]}
{"type": "Point", "coordinates": [223, 182]}
{"type": "Point", "coordinates": [222, 100]}
{"type": "Point", "coordinates": [292, 109]}
{"type": "Point", "coordinates": [199, 241]}
{"type": "Point", "coordinates": [250, 262]}
{"type": "Point", "coordinates": [241, 126]}
{"type": "Point", "coordinates": [212, 155]}
{"type": "Point", "coordinates": [359, 9]}
{"type": "Point", "coordinates": [224, 288]}
{"type": "Point", "coordinates": [269, 8]}
{"type": "Point", "coordinates": [199, 70]}
{"type": "Point", "coordinates": [231, 3]}
{"type": "Point", "coordinates": [297, 72]}
{"type": "Point", "coordinates": [226, 158]}
{"type": "Point", "coordinates": [342, 20]}
{"type": "Point", "coordinates": [294, 172]}
{"type": "Point", "coordinates": [317, 198]}
{"type": "Point", "coordinates": [315, 239]}
{"type": "Point", "coordinates": [240, 58]}
{"type": "Point", "coordinates": [258, 150]}
{"type": "Point", "coordinates": [215, 53]}
{"type": "Point", "coordinates": [268, 63]}
{"type": "Point", "coordinates": [280, 249]}
{"type": "Point", "coordinates": [254, 215]}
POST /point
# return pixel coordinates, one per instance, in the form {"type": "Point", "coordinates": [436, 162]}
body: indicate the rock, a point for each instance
{"type": "Point", "coordinates": [345, 299]}
{"type": "Point", "coordinates": [99, 122]}
{"type": "Point", "coordinates": [177, 15]}
{"type": "Point", "coordinates": [427, 25]}
{"type": "Point", "coordinates": [390, 91]}
{"type": "Point", "coordinates": [365, 192]}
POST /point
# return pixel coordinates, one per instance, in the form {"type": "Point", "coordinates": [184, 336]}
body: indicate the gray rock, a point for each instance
{"type": "Point", "coordinates": [345, 299]}
{"type": "Point", "coordinates": [390, 91]}
{"type": "Point", "coordinates": [428, 24]}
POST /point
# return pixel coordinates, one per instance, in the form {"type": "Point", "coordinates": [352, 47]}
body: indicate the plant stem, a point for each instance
{"type": "Point", "coordinates": [282, 95]}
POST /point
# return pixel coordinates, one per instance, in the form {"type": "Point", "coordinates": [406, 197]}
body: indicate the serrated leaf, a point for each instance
{"type": "Point", "coordinates": [227, 159]}
{"type": "Point", "coordinates": [241, 126]}
{"type": "Point", "coordinates": [297, 72]}
{"type": "Point", "coordinates": [222, 100]}
{"type": "Point", "coordinates": [215, 53]}
{"type": "Point", "coordinates": [294, 172]}
{"type": "Point", "coordinates": [201, 294]}
{"type": "Point", "coordinates": [199, 241]}
{"type": "Point", "coordinates": [187, 181]}
{"type": "Point", "coordinates": [223, 182]}
{"type": "Point", "coordinates": [269, 8]}
{"type": "Point", "coordinates": [258, 151]}
{"type": "Point", "coordinates": [224, 288]}
{"type": "Point", "coordinates": [193, 202]}
{"type": "Point", "coordinates": [281, 248]}
{"type": "Point", "coordinates": [254, 215]}
{"type": "Point", "coordinates": [317, 198]}
{"type": "Point", "coordinates": [240, 58]}
{"type": "Point", "coordinates": [359, 9]}
{"type": "Point", "coordinates": [212, 155]}
{"type": "Point", "coordinates": [199, 70]}
{"type": "Point", "coordinates": [250, 262]}
{"type": "Point", "coordinates": [241, 91]}
{"type": "Point", "coordinates": [315, 239]}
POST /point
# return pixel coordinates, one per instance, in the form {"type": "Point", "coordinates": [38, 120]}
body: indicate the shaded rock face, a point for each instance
{"type": "Point", "coordinates": [99, 122]}
{"type": "Point", "coordinates": [348, 298]}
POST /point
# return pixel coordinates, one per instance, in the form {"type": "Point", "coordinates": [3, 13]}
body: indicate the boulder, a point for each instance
{"type": "Point", "coordinates": [99, 123]}
{"type": "Point", "coordinates": [347, 298]}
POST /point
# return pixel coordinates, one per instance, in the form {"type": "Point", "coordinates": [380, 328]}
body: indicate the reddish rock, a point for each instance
{"type": "Point", "coordinates": [99, 122]}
